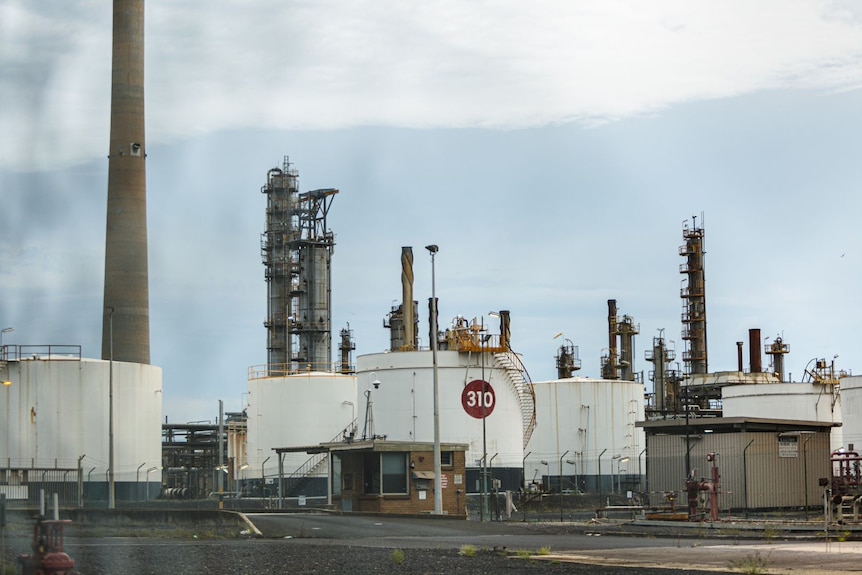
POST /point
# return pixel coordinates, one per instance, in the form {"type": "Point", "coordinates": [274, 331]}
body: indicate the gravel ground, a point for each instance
{"type": "Point", "coordinates": [115, 556]}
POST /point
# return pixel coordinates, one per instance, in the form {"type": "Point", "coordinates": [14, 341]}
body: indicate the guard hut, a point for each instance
{"type": "Point", "coordinates": [392, 477]}
{"type": "Point", "coordinates": [750, 463]}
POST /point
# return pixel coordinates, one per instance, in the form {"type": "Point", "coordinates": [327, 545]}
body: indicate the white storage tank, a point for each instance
{"type": "Point", "coordinates": [789, 401]}
{"type": "Point", "coordinates": [851, 398]}
{"type": "Point", "coordinates": [402, 405]}
{"type": "Point", "coordinates": [55, 415]}
{"type": "Point", "coordinates": [586, 424]}
{"type": "Point", "coordinates": [303, 409]}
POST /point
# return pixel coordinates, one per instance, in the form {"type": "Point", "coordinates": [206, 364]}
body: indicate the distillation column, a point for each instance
{"type": "Point", "coordinates": [627, 330]}
{"type": "Point", "coordinates": [314, 249]}
{"type": "Point", "coordinates": [297, 252]}
{"type": "Point", "coordinates": [778, 349]}
{"type": "Point", "coordinates": [665, 380]}
{"type": "Point", "coordinates": [281, 191]}
{"type": "Point", "coordinates": [693, 294]}
{"type": "Point", "coordinates": [610, 369]}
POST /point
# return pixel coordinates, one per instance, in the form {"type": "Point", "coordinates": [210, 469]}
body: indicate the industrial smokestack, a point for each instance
{"type": "Point", "coordinates": [609, 370]}
{"type": "Point", "coordinates": [739, 356]}
{"type": "Point", "coordinates": [126, 321]}
{"type": "Point", "coordinates": [505, 329]}
{"type": "Point", "coordinates": [409, 342]}
{"type": "Point", "coordinates": [754, 350]}
{"type": "Point", "coordinates": [433, 303]}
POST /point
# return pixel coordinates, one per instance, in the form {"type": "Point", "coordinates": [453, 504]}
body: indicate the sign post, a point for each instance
{"type": "Point", "coordinates": [478, 399]}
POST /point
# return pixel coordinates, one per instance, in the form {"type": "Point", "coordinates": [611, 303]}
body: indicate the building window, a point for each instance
{"type": "Point", "coordinates": [394, 472]}
{"type": "Point", "coordinates": [385, 474]}
{"type": "Point", "coordinates": [371, 474]}
{"type": "Point", "coordinates": [447, 458]}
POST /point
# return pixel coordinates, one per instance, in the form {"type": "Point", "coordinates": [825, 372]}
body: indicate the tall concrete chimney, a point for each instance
{"type": "Point", "coordinates": [126, 320]}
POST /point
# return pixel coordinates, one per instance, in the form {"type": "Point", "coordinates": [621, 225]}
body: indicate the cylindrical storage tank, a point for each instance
{"type": "Point", "coordinates": [851, 398]}
{"type": "Point", "coordinates": [594, 420]}
{"type": "Point", "coordinates": [403, 407]}
{"type": "Point", "coordinates": [790, 401]}
{"type": "Point", "coordinates": [305, 409]}
{"type": "Point", "coordinates": [56, 410]}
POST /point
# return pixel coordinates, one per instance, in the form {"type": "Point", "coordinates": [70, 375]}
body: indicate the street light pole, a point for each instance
{"type": "Point", "coordinates": [600, 474]}
{"type": "Point", "coordinates": [2, 331]}
{"type": "Point", "coordinates": [484, 500]}
{"type": "Point", "coordinates": [138, 481]}
{"type": "Point", "coordinates": [620, 461]}
{"type": "Point", "coordinates": [438, 493]}
{"type": "Point", "coordinates": [263, 477]}
{"type": "Point", "coordinates": [112, 502]}
{"type": "Point", "coordinates": [147, 486]}
{"type": "Point", "coordinates": [563, 456]}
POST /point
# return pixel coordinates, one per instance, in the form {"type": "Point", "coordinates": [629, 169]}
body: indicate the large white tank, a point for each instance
{"type": "Point", "coordinates": [304, 409]}
{"type": "Point", "coordinates": [793, 401]}
{"type": "Point", "coordinates": [55, 412]}
{"type": "Point", "coordinates": [403, 404]}
{"type": "Point", "coordinates": [594, 421]}
{"type": "Point", "coordinates": [851, 397]}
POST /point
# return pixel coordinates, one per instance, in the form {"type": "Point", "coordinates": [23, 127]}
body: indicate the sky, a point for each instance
{"type": "Point", "coordinates": [554, 150]}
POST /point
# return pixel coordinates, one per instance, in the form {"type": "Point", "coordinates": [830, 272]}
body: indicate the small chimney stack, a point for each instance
{"type": "Point", "coordinates": [754, 350]}
{"type": "Point", "coordinates": [409, 341]}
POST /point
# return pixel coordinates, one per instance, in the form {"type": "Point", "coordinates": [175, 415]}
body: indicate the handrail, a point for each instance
{"type": "Point", "coordinates": [52, 352]}
{"type": "Point", "coordinates": [268, 370]}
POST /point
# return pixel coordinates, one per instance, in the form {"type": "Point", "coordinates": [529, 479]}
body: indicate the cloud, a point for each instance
{"type": "Point", "coordinates": [334, 64]}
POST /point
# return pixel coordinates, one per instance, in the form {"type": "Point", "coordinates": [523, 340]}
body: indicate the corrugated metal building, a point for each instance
{"type": "Point", "coordinates": [763, 463]}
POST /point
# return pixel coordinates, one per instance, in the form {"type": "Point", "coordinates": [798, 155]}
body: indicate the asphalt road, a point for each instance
{"type": "Point", "coordinates": [572, 542]}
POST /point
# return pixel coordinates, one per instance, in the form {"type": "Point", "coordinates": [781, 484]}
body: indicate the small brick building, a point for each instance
{"type": "Point", "coordinates": [380, 476]}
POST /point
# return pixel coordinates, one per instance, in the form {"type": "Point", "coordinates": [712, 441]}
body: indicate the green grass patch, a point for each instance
{"type": "Point", "coordinates": [397, 556]}
{"type": "Point", "coordinates": [467, 551]}
{"type": "Point", "coordinates": [753, 564]}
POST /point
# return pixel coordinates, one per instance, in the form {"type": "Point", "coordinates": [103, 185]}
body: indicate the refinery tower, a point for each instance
{"type": "Point", "coordinates": [297, 253]}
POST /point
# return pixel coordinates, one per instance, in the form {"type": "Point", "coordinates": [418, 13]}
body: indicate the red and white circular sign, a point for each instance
{"type": "Point", "coordinates": [478, 399]}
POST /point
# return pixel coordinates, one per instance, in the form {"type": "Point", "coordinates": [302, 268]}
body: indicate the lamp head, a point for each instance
{"type": "Point", "coordinates": [376, 384]}
{"type": "Point", "coordinates": [433, 248]}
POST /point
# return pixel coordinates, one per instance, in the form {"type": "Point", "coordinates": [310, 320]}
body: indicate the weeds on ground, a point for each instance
{"type": "Point", "coordinates": [752, 564]}
{"type": "Point", "coordinates": [770, 533]}
{"type": "Point", "coordinates": [544, 551]}
{"type": "Point", "coordinates": [397, 556]}
{"type": "Point", "coordinates": [523, 554]}
{"type": "Point", "coordinates": [467, 551]}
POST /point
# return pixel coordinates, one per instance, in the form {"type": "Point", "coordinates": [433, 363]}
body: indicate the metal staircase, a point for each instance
{"type": "Point", "coordinates": [312, 465]}
{"type": "Point", "coordinates": [519, 379]}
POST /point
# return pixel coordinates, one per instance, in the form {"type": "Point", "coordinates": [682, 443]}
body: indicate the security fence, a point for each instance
{"type": "Point", "coordinates": [22, 486]}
